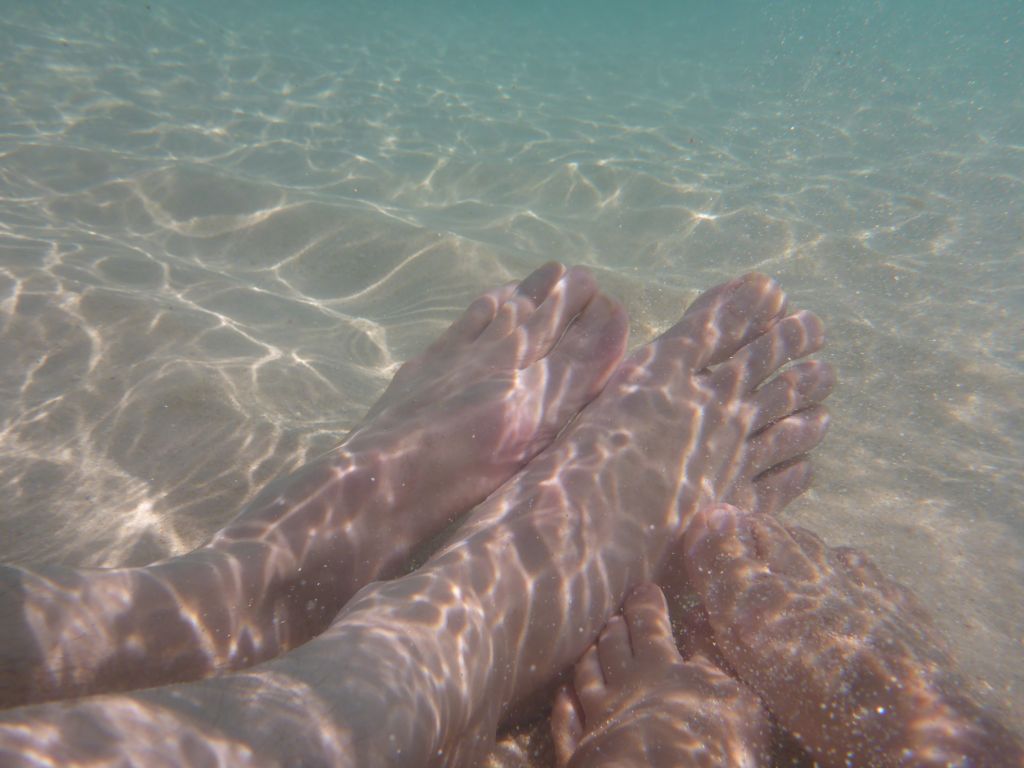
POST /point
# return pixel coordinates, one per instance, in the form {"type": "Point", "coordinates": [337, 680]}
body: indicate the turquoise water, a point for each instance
{"type": "Point", "coordinates": [221, 230]}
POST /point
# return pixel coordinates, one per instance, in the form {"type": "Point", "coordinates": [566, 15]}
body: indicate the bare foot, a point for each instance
{"type": "Point", "coordinates": [456, 422]}
{"type": "Point", "coordinates": [846, 659]}
{"type": "Point", "coordinates": [420, 670]}
{"type": "Point", "coordinates": [635, 702]}
{"type": "Point", "coordinates": [481, 631]}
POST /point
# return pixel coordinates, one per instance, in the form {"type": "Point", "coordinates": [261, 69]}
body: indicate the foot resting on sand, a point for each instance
{"type": "Point", "coordinates": [420, 670]}
{"type": "Point", "coordinates": [635, 703]}
{"type": "Point", "coordinates": [845, 659]}
{"type": "Point", "coordinates": [455, 423]}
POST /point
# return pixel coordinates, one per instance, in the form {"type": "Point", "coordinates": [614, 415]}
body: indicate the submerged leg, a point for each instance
{"type": "Point", "coordinates": [456, 422]}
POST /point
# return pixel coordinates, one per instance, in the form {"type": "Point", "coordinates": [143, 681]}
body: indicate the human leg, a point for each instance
{"type": "Point", "coordinates": [454, 424]}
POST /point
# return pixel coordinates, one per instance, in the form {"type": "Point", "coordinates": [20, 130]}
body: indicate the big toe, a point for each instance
{"type": "Point", "coordinates": [725, 318]}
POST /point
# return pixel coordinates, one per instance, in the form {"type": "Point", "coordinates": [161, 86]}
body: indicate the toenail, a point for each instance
{"type": "Point", "coordinates": [718, 517]}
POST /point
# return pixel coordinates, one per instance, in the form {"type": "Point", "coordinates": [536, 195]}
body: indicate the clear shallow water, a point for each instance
{"type": "Point", "coordinates": [220, 232]}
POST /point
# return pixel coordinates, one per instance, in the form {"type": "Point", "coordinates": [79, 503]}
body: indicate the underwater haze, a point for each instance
{"type": "Point", "coordinates": [223, 226]}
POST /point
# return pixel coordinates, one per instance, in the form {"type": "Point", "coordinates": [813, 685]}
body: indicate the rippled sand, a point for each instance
{"type": "Point", "coordinates": [218, 236]}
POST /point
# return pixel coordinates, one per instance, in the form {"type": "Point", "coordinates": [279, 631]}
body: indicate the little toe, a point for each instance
{"type": "Point", "coordinates": [566, 725]}
{"type": "Point", "coordinates": [724, 318]}
{"type": "Point", "coordinates": [546, 325]}
{"type": "Point", "coordinates": [792, 338]}
{"type": "Point", "coordinates": [615, 651]}
{"type": "Point", "coordinates": [786, 439]}
{"type": "Point", "coordinates": [523, 301]}
{"type": "Point", "coordinates": [795, 389]}
{"type": "Point", "coordinates": [650, 631]}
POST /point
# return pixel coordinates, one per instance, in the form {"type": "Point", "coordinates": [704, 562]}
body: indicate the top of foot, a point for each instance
{"type": "Point", "coordinates": [846, 659]}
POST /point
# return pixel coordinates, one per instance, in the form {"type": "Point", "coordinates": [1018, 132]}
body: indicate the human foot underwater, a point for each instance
{"type": "Point", "coordinates": [455, 423]}
{"type": "Point", "coordinates": [420, 670]}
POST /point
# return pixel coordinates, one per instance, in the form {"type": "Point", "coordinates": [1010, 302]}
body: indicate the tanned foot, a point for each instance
{"type": "Point", "coordinates": [635, 703]}
{"type": "Point", "coordinates": [847, 660]}
{"type": "Point", "coordinates": [456, 422]}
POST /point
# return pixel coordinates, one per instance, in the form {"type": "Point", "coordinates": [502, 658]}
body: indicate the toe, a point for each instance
{"type": "Point", "coordinates": [721, 556]}
{"type": "Point", "coordinates": [795, 389]}
{"type": "Point", "coordinates": [523, 302]}
{"type": "Point", "coordinates": [696, 637]}
{"type": "Point", "coordinates": [773, 490]}
{"type": "Point", "coordinates": [650, 631]}
{"type": "Point", "coordinates": [737, 562]}
{"type": "Point", "coordinates": [566, 725]}
{"type": "Point", "coordinates": [615, 651]}
{"type": "Point", "coordinates": [793, 337]}
{"type": "Point", "coordinates": [728, 316]}
{"type": "Point", "coordinates": [741, 567]}
{"type": "Point", "coordinates": [538, 284]}
{"type": "Point", "coordinates": [861, 571]}
{"type": "Point", "coordinates": [589, 685]}
{"type": "Point", "coordinates": [548, 323]}
{"type": "Point", "coordinates": [476, 318]}
{"type": "Point", "coordinates": [583, 360]}
{"type": "Point", "coordinates": [812, 545]}
{"type": "Point", "coordinates": [786, 439]}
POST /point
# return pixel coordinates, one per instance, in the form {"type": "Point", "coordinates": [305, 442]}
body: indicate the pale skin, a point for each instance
{"type": "Point", "coordinates": [454, 424]}
{"type": "Point", "coordinates": [843, 658]}
{"type": "Point", "coordinates": [420, 670]}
